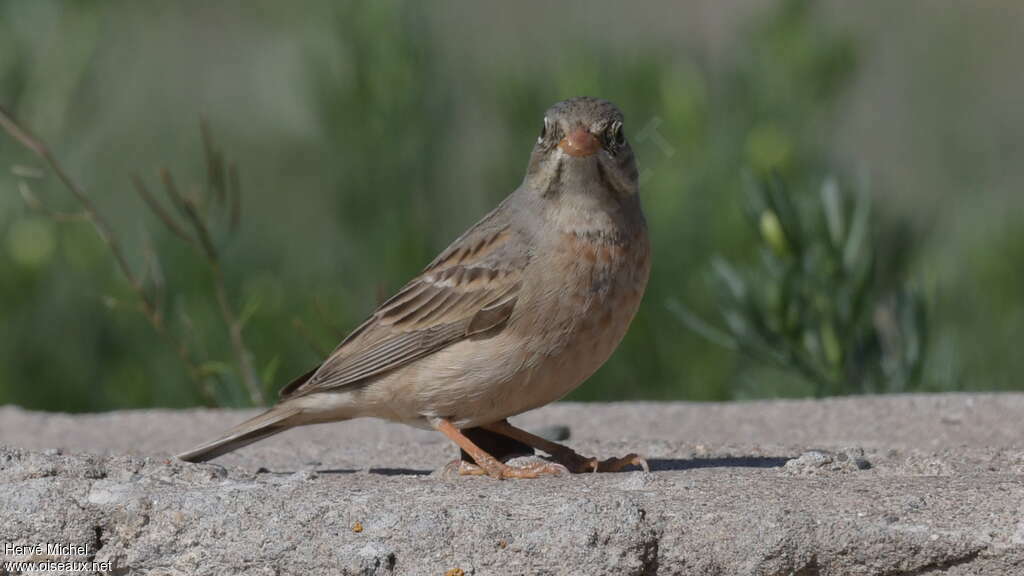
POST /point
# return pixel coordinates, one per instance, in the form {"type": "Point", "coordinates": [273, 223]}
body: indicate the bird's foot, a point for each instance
{"type": "Point", "coordinates": [500, 470]}
{"type": "Point", "coordinates": [487, 463]}
{"type": "Point", "coordinates": [578, 464]}
{"type": "Point", "coordinates": [460, 467]}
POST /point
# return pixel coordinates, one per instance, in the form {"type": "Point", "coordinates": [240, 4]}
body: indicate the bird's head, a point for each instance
{"type": "Point", "coordinates": [582, 146]}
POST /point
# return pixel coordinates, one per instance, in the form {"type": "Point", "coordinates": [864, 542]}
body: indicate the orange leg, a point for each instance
{"type": "Point", "coordinates": [487, 464]}
{"type": "Point", "coordinates": [565, 455]}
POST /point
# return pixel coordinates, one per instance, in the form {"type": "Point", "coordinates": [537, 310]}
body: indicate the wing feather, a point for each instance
{"type": "Point", "coordinates": [469, 290]}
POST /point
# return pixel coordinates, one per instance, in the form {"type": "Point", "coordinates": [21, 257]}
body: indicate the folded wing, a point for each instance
{"type": "Point", "coordinates": [470, 289]}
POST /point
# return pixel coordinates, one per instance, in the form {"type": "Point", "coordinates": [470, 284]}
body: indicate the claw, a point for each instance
{"type": "Point", "coordinates": [578, 464]}
{"type": "Point", "coordinates": [616, 464]}
{"type": "Point", "coordinates": [459, 467]}
{"type": "Point", "coordinates": [463, 468]}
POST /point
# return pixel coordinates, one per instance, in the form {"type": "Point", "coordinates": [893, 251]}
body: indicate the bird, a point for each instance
{"type": "Point", "coordinates": [516, 313]}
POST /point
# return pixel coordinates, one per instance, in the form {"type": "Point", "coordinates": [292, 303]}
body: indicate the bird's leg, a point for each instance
{"type": "Point", "coordinates": [487, 463]}
{"type": "Point", "coordinates": [501, 447]}
{"type": "Point", "coordinates": [567, 456]}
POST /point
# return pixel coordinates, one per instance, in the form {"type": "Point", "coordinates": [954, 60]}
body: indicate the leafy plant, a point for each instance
{"type": "Point", "coordinates": [811, 304]}
{"type": "Point", "coordinates": [192, 219]}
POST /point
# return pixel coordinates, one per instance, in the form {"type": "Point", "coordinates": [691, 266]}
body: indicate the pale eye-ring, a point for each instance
{"type": "Point", "coordinates": [544, 130]}
{"type": "Point", "coordinates": [615, 134]}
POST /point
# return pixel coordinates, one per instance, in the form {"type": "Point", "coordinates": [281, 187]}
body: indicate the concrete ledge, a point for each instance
{"type": "Point", "coordinates": [875, 485]}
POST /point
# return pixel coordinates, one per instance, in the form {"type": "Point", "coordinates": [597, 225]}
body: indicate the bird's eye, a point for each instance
{"type": "Point", "coordinates": [615, 135]}
{"type": "Point", "coordinates": [544, 130]}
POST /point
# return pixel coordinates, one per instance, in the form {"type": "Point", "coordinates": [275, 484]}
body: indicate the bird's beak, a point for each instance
{"type": "Point", "coordinates": [580, 143]}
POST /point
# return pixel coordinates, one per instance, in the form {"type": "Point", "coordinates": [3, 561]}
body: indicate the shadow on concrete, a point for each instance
{"type": "Point", "coordinates": [380, 471]}
{"type": "Point", "coordinates": [400, 472]}
{"type": "Point", "coordinates": [656, 464]}
{"type": "Point", "coordinates": [665, 464]}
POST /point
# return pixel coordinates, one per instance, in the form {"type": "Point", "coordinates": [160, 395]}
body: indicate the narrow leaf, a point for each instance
{"type": "Point", "coordinates": [856, 241]}
{"type": "Point", "coordinates": [699, 326]}
{"type": "Point", "coordinates": [832, 204]}
{"type": "Point", "coordinates": [732, 280]}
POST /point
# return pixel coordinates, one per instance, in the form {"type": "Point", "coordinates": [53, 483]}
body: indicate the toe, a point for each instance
{"type": "Point", "coordinates": [459, 468]}
{"type": "Point", "coordinates": [534, 470]}
{"type": "Point", "coordinates": [470, 469]}
{"type": "Point", "coordinates": [617, 464]}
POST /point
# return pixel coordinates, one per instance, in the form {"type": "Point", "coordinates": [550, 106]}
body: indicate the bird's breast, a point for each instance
{"type": "Point", "coordinates": [589, 294]}
{"type": "Point", "coordinates": [603, 278]}
{"type": "Point", "coordinates": [577, 301]}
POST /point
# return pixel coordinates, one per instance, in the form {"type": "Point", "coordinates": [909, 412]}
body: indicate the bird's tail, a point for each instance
{"type": "Point", "coordinates": [277, 419]}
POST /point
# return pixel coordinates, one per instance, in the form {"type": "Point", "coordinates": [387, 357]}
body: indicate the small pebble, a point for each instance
{"type": "Point", "coordinates": [823, 461]}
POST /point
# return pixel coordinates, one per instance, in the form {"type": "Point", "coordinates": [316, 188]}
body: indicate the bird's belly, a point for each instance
{"type": "Point", "coordinates": [590, 340]}
{"type": "Point", "coordinates": [552, 344]}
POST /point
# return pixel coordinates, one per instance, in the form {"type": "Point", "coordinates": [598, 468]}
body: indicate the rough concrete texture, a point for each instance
{"type": "Point", "coordinates": [876, 485]}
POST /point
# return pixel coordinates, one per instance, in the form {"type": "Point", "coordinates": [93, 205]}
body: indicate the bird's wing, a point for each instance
{"type": "Point", "coordinates": [470, 289]}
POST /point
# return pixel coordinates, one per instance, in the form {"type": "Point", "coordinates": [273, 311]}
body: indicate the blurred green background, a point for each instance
{"type": "Point", "coordinates": [368, 135]}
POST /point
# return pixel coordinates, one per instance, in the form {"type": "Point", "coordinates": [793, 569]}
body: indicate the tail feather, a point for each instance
{"type": "Point", "coordinates": [255, 429]}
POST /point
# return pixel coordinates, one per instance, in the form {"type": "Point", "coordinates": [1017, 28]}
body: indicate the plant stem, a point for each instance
{"type": "Point", "coordinates": [149, 308]}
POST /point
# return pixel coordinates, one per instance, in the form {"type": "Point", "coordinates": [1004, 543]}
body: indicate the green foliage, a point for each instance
{"type": "Point", "coordinates": [811, 305]}
{"type": "Point", "coordinates": [331, 225]}
{"type": "Point", "coordinates": [365, 143]}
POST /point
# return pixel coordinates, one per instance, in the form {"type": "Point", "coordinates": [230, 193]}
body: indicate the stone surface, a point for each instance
{"type": "Point", "coordinates": [874, 485]}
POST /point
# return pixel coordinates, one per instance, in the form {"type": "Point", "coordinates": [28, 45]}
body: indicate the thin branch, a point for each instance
{"type": "Point", "coordinates": [202, 242]}
{"type": "Point", "coordinates": [214, 163]}
{"type": "Point", "coordinates": [105, 232]}
{"type": "Point", "coordinates": [23, 137]}
{"type": "Point", "coordinates": [188, 208]}
{"type": "Point", "coordinates": [197, 352]}
{"type": "Point", "coordinates": [99, 223]}
{"type": "Point", "coordinates": [35, 204]}
{"type": "Point", "coordinates": [155, 273]}
{"type": "Point", "coordinates": [171, 190]}
{"type": "Point", "coordinates": [157, 209]}
{"type": "Point", "coordinates": [238, 347]}
{"type": "Point", "coordinates": [242, 355]}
